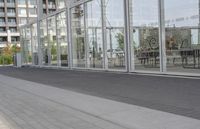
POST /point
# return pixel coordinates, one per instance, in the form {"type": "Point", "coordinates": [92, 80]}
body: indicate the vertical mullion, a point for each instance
{"type": "Point", "coordinates": [39, 12]}
{"type": "Point", "coordinates": [162, 46]}
{"type": "Point", "coordinates": [48, 40]}
{"type": "Point", "coordinates": [86, 36]}
{"type": "Point", "coordinates": [104, 36]}
{"type": "Point", "coordinates": [21, 44]}
{"type": "Point", "coordinates": [39, 44]}
{"type": "Point", "coordinates": [127, 36]}
{"type": "Point", "coordinates": [69, 37]}
{"type": "Point", "coordinates": [57, 40]}
{"type": "Point", "coordinates": [26, 48]}
{"type": "Point", "coordinates": [31, 31]}
{"type": "Point", "coordinates": [131, 46]}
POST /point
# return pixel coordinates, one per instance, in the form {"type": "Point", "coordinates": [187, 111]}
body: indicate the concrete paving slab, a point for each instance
{"type": "Point", "coordinates": [172, 94]}
{"type": "Point", "coordinates": [121, 115]}
{"type": "Point", "coordinates": [20, 109]}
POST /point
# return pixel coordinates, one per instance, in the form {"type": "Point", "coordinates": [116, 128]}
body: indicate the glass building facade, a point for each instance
{"type": "Point", "coordinates": [117, 35]}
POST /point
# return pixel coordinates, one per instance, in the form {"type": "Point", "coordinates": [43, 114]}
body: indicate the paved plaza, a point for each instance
{"type": "Point", "coordinates": [31, 104]}
{"type": "Point", "coordinates": [22, 108]}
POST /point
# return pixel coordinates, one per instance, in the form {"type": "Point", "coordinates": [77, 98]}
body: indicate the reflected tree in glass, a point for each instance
{"type": "Point", "coordinates": [115, 34]}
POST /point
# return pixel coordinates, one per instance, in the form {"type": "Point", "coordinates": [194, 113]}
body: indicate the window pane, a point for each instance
{"type": "Point", "coordinates": [22, 11]}
{"type": "Point", "coordinates": [145, 35]}
{"type": "Point", "coordinates": [115, 34]}
{"type": "Point", "coordinates": [61, 4]}
{"type": "Point", "coordinates": [23, 2]}
{"type": "Point", "coordinates": [35, 43]}
{"type": "Point", "coordinates": [94, 34]}
{"type": "Point", "coordinates": [28, 47]}
{"type": "Point", "coordinates": [182, 35]}
{"type": "Point", "coordinates": [78, 36]}
{"type": "Point", "coordinates": [52, 40]}
{"type": "Point", "coordinates": [62, 39]}
{"type": "Point", "coordinates": [44, 42]}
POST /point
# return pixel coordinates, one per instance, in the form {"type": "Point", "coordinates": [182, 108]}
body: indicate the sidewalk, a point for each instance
{"type": "Point", "coordinates": [22, 107]}
{"type": "Point", "coordinates": [168, 94]}
{"type": "Point", "coordinates": [28, 105]}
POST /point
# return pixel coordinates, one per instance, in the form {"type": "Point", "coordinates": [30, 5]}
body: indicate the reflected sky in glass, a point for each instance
{"type": "Point", "coordinates": [145, 12]}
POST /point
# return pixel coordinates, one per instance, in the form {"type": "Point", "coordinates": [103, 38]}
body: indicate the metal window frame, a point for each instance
{"type": "Point", "coordinates": [86, 40]}
{"type": "Point", "coordinates": [39, 12]}
{"type": "Point", "coordinates": [57, 41]}
{"type": "Point", "coordinates": [162, 49]}
{"type": "Point", "coordinates": [161, 12]}
{"type": "Point", "coordinates": [130, 33]}
{"type": "Point", "coordinates": [128, 19]}
{"type": "Point", "coordinates": [69, 38]}
{"type": "Point", "coordinates": [32, 39]}
{"type": "Point", "coordinates": [31, 32]}
{"type": "Point", "coordinates": [66, 39]}
{"type": "Point", "coordinates": [104, 35]}
{"type": "Point", "coordinates": [48, 40]}
{"type": "Point", "coordinates": [127, 44]}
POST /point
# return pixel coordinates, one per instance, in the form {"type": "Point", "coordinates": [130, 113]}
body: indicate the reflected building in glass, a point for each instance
{"type": "Point", "coordinates": [118, 35]}
{"type": "Point", "coordinates": [15, 13]}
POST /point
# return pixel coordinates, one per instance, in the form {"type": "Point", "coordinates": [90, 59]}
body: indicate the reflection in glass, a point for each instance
{"type": "Point", "coordinates": [62, 39]}
{"type": "Point", "coordinates": [26, 43]}
{"type": "Point", "coordinates": [52, 40]}
{"type": "Point", "coordinates": [44, 42]}
{"type": "Point", "coordinates": [182, 35]}
{"type": "Point", "coordinates": [23, 45]}
{"type": "Point", "coordinates": [78, 36]}
{"type": "Point", "coordinates": [35, 44]}
{"type": "Point", "coordinates": [94, 33]}
{"type": "Point", "coordinates": [115, 34]}
{"type": "Point", "coordinates": [145, 38]}
{"type": "Point", "coordinates": [28, 46]}
{"type": "Point", "coordinates": [61, 4]}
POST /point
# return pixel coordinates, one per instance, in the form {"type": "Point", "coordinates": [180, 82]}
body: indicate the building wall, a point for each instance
{"type": "Point", "coordinates": [119, 35]}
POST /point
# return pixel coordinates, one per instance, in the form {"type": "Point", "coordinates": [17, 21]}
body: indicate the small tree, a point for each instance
{"type": "Point", "coordinates": [15, 49]}
{"type": "Point", "coordinates": [120, 40]}
{"type": "Point", "coordinates": [8, 51]}
{"type": "Point", "coordinates": [53, 50]}
{"type": "Point", "coordinates": [6, 57]}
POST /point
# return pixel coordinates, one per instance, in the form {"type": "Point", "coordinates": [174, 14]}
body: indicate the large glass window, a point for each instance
{"type": "Point", "coordinates": [23, 46]}
{"type": "Point", "coordinates": [11, 10]}
{"type": "Point", "coordinates": [62, 39]}
{"type": "Point", "coordinates": [52, 40]}
{"type": "Point", "coordinates": [28, 46]}
{"type": "Point", "coordinates": [78, 36]}
{"type": "Point", "coordinates": [88, 46]}
{"type": "Point", "coordinates": [94, 34]}
{"type": "Point", "coordinates": [182, 35]}
{"type": "Point", "coordinates": [145, 35]}
{"type": "Point", "coordinates": [61, 3]}
{"type": "Point", "coordinates": [32, 2]}
{"type": "Point", "coordinates": [115, 34]}
{"type": "Point", "coordinates": [23, 2]}
{"type": "Point", "coordinates": [32, 11]}
{"type": "Point", "coordinates": [35, 44]}
{"type": "Point", "coordinates": [22, 11]}
{"type": "Point", "coordinates": [22, 20]}
{"type": "Point", "coordinates": [44, 42]}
